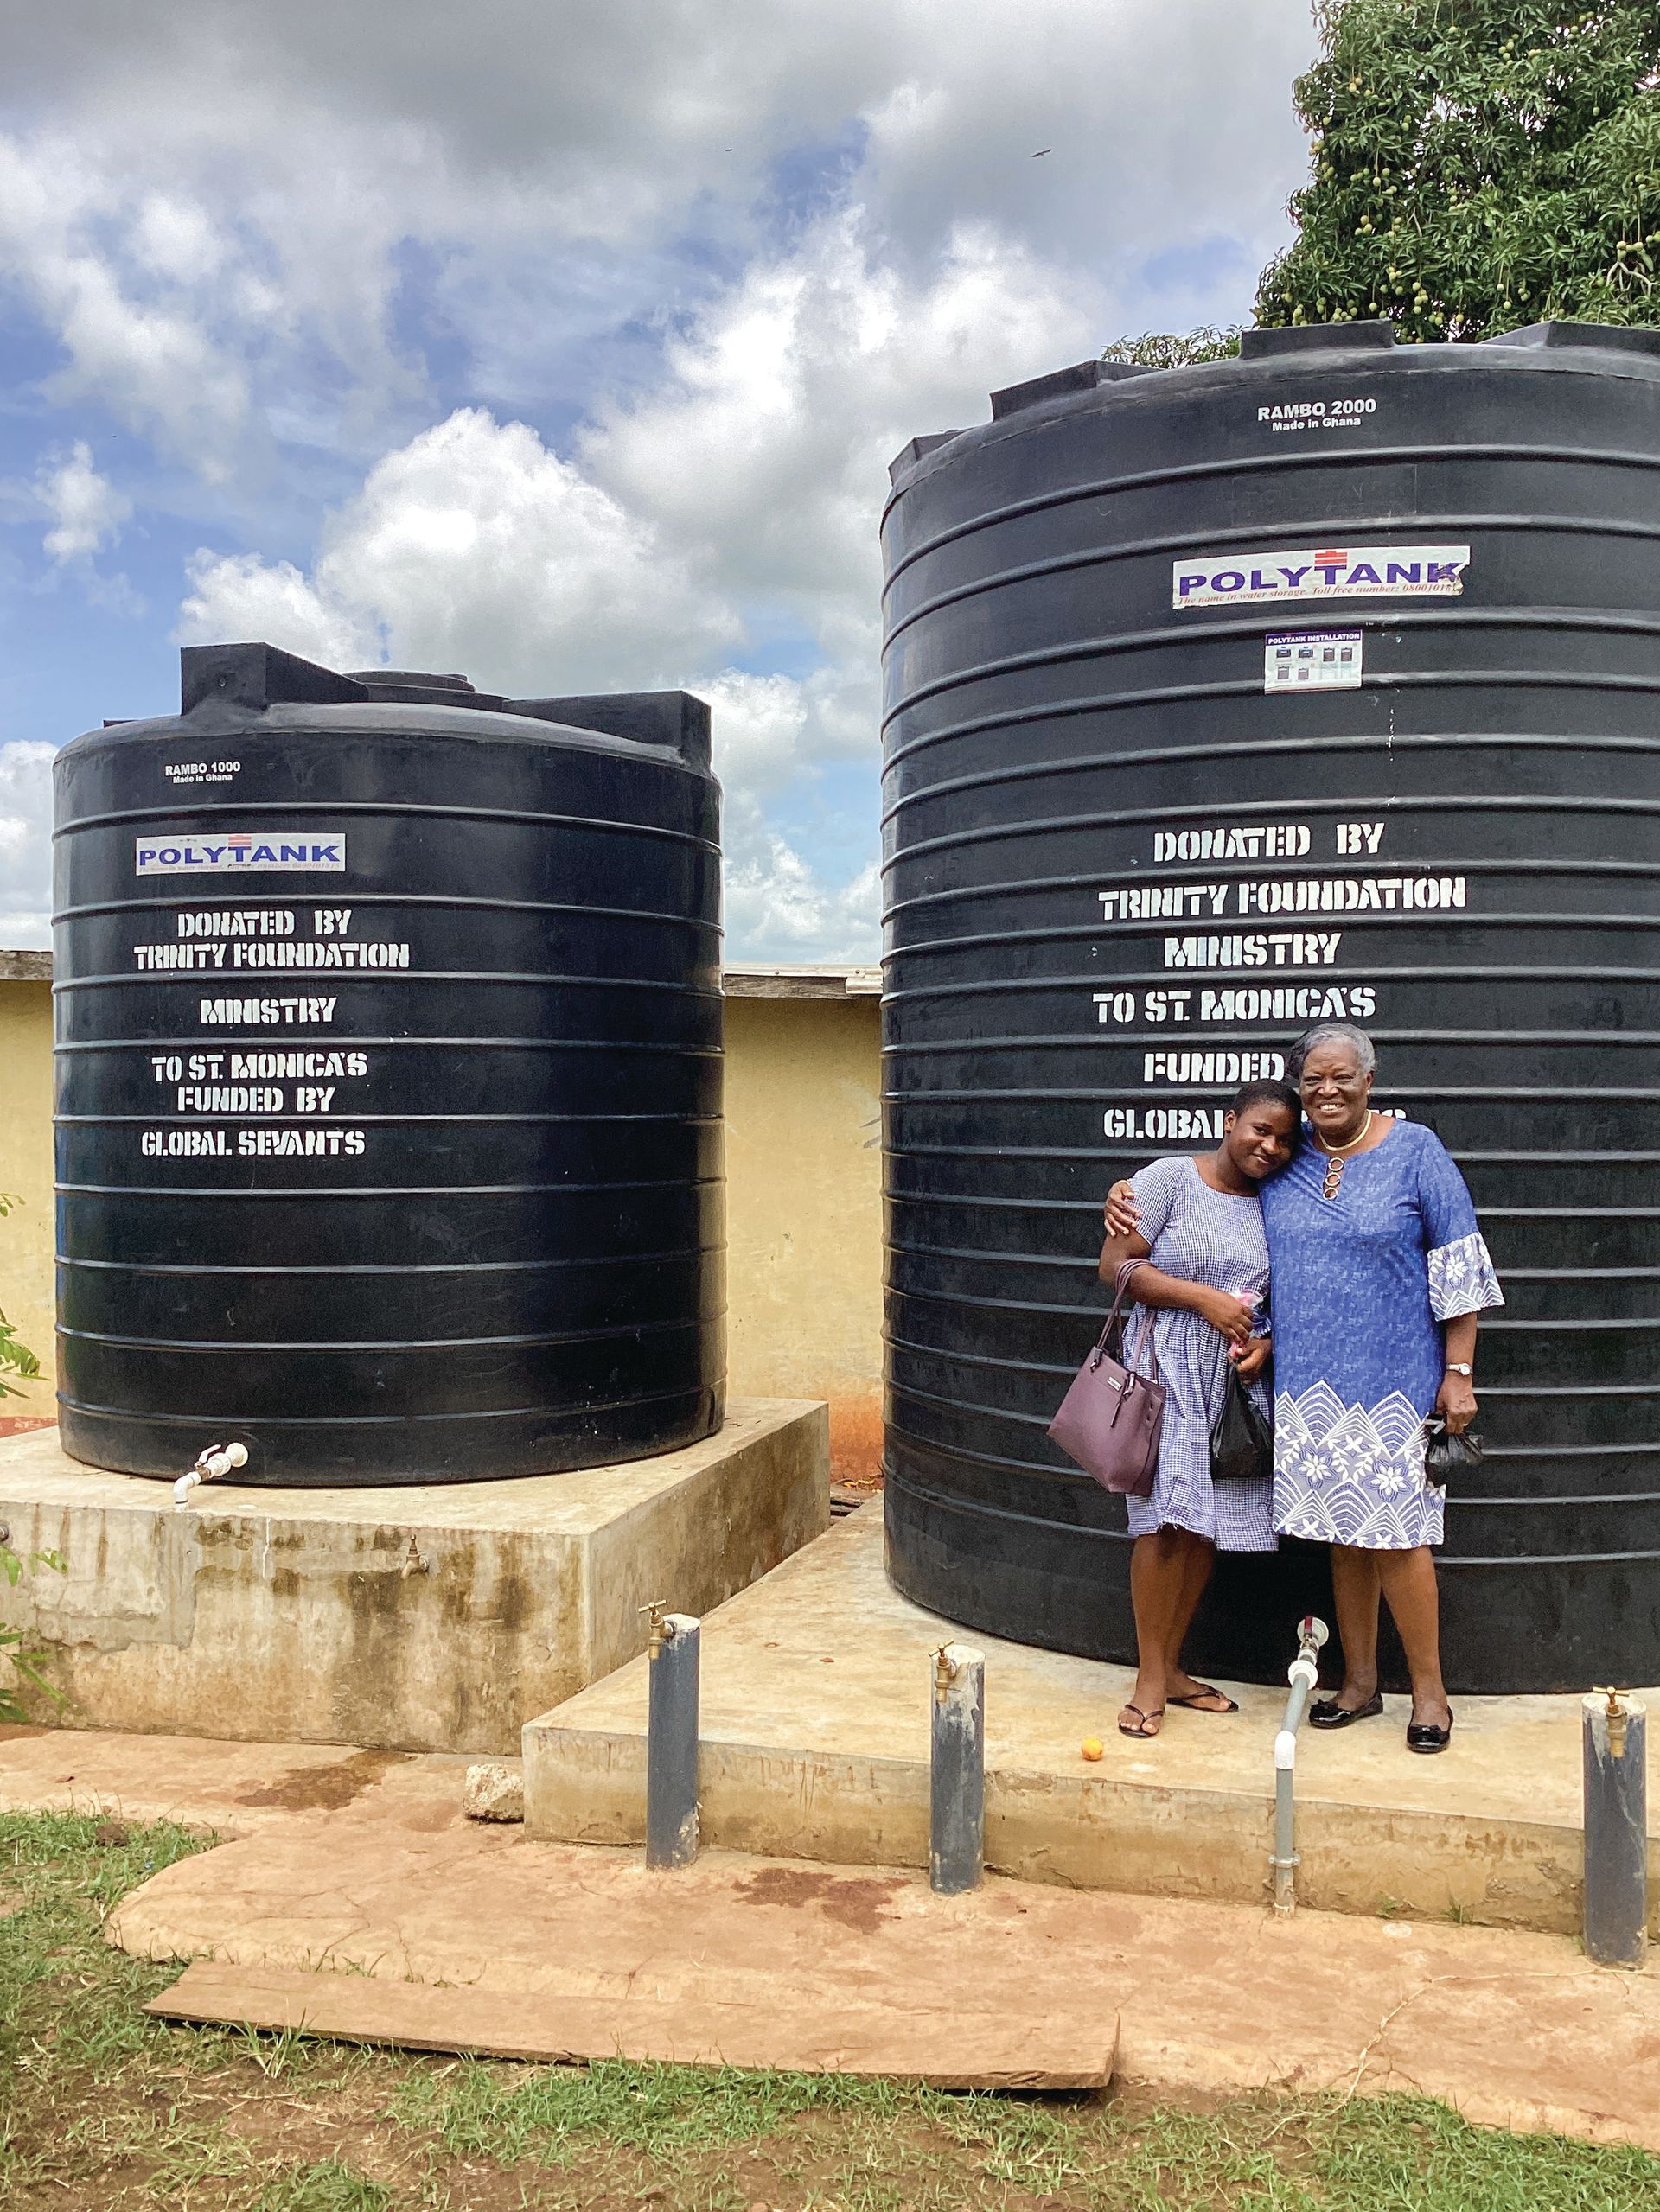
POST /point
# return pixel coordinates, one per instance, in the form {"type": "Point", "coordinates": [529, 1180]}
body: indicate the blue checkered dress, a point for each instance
{"type": "Point", "coordinates": [1204, 1236]}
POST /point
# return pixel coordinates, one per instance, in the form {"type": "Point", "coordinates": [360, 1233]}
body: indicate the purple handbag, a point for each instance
{"type": "Point", "coordinates": [1110, 1419]}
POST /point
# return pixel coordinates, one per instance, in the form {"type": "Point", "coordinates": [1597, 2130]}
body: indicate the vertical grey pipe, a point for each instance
{"type": "Point", "coordinates": [1615, 1733]}
{"type": "Point", "coordinates": [956, 1852]}
{"type": "Point", "coordinates": [672, 1743]}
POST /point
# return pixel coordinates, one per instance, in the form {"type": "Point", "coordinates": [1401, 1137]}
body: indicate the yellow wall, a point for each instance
{"type": "Point", "coordinates": [804, 1211]}
{"type": "Point", "coordinates": [26, 1239]}
{"type": "Point", "coordinates": [803, 1203]}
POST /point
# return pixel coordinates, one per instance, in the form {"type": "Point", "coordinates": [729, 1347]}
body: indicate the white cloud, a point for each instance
{"type": "Point", "coordinates": [26, 843]}
{"type": "Point", "coordinates": [778, 908]}
{"type": "Point", "coordinates": [211, 215]}
{"type": "Point", "coordinates": [724, 260]}
{"type": "Point", "coordinates": [87, 510]}
{"type": "Point", "coordinates": [763, 448]}
{"type": "Point", "coordinates": [475, 547]}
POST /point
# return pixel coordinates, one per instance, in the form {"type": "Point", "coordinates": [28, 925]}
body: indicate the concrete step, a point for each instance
{"type": "Point", "coordinates": [814, 1746]}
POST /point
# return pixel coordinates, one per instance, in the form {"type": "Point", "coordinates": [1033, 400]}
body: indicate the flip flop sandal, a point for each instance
{"type": "Point", "coordinates": [1192, 1701]}
{"type": "Point", "coordinates": [1145, 1734]}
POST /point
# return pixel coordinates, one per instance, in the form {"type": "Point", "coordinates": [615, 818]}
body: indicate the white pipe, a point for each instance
{"type": "Point", "coordinates": [212, 1461]}
{"type": "Point", "coordinates": [1304, 1676]}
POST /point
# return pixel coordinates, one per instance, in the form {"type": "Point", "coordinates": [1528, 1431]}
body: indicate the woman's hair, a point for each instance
{"type": "Point", "coordinates": [1270, 1094]}
{"type": "Point", "coordinates": [1331, 1033]}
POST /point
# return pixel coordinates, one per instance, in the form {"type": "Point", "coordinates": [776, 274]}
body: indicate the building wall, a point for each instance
{"type": "Point", "coordinates": [26, 1238]}
{"type": "Point", "coordinates": [804, 1211]}
{"type": "Point", "coordinates": [803, 1207]}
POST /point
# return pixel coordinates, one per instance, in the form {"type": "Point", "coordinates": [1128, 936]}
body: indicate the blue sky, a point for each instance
{"type": "Point", "coordinates": [568, 347]}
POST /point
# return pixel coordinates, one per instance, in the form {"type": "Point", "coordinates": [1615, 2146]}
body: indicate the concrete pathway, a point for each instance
{"type": "Point", "coordinates": [814, 1725]}
{"type": "Point", "coordinates": [457, 1926]}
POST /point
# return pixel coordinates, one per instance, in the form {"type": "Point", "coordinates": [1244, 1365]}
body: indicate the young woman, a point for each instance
{"type": "Point", "coordinates": [1200, 1229]}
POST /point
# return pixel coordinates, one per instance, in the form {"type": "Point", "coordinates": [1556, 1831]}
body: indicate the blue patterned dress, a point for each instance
{"type": "Point", "coordinates": [1361, 1284]}
{"type": "Point", "coordinates": [1204, 1236]}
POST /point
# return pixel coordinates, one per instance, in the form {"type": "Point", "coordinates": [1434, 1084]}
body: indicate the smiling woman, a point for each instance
{"type": "Point", "coordinates": [1380, 1274]}
{"type": "Point", "coordinates": [1199, 1228]}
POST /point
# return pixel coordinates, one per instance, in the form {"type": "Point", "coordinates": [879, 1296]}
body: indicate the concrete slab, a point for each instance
{"type": "Point", "coordinates": [225, 1789]}
{"type": "Point", "coordinates": [815, 1721]}
{"type": "Point", "coordinates": [426, 1618]}
{"type": "Point", "coordinates": [952, 2049]}
{"type": "Point", "coordinates": [485, 1928]}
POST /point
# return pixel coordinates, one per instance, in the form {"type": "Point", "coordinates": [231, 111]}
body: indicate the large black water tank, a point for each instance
{"type": "Point", "coordinates": [388, 1073]}
{"type": "Point", "coordinates": [1155, 804]}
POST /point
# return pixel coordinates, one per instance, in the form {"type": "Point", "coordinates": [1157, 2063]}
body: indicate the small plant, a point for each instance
{"type": "Point", "coordinates": [24, 1661]}
{"type": "Point", "coordinates": [15, 1357]}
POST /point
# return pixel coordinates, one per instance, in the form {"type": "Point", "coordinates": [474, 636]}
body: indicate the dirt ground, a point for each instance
{"type": "Point", "coordinates": [102, 2107]}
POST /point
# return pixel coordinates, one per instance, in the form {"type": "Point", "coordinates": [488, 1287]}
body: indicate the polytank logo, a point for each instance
{"type": "Point", "coordinates": [243, 852]}
{"type": "Point", "coordinates": [1322, 572]}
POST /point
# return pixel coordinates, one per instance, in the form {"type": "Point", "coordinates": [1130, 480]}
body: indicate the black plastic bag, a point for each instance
{"type": "Point", "coordinates": [1242, 1441]}
{"type": "Point", "coordinates": [1448, 1455]}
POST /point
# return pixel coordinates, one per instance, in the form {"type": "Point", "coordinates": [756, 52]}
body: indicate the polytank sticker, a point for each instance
{"type": "Point", "coordinates": [242, 853]}
{"type": "Point", "coordinates": [1323, 572]}
{"type": "Point", "coordinates": [1322, 660]}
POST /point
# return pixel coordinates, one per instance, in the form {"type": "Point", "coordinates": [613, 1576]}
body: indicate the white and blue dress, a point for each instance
{"type": "Point", "coordinates": [1204, 1236]}
{"type": "Point", "coordinates": [1362, 1281]}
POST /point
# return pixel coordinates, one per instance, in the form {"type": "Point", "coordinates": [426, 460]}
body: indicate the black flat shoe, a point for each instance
{"type": "Point", "coordinates": [1424, 1736]}
{"type": "Point", "coordinates": [1326, 1713]}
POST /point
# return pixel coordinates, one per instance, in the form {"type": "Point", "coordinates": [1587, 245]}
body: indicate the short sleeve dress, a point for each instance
{"type": "Point", "coordinates": [1204, 1236]}
{"type": "Point", "coordinates": [1362, 1281]}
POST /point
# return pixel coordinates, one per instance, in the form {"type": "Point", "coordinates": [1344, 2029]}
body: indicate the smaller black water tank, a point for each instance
{"type": "Point", "coordinates": [388, 1077]}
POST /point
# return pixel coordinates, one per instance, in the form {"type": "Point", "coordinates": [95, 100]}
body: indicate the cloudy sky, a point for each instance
{"type": "Point", "coordinates": [567, 345]}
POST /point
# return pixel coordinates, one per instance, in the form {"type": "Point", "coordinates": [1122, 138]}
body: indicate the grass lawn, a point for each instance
{"type": "Point", "coordinates": [102, 2107]}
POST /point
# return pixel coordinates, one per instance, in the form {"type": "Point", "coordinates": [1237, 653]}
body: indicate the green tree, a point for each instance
{"type": "Point", "coordinates": [1171, 349]}
{"type": "Point", "coordinates": [1478, 164]}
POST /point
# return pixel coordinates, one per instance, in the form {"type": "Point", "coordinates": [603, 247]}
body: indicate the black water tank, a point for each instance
{"type": "Point", "coordinates": [388, 1073]}
{"type": "Point", "coordinates": [1320, 682]}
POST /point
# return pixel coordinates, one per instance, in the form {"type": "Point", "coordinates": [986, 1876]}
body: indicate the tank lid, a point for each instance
{"type": "Point", "coordinates": [1317, 338]}
{"type": "Point", "coordinates": [1618, 336]}
{"type": "Point", "coordinates": [260, 676]}
{"type": "Point", "coordinates": [909, 455]}
{"type": "Point", "coordinates": [1083, 376]}
{"type": "Point", "coordinates": [408, 680]}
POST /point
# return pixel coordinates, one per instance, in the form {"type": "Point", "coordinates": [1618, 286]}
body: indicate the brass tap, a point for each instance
{"type": "Point", "coordinates": [943, 1671]}
{"type": "Point", "coordinates": [1616, 1717]}
{"type": "Point", "coordinates": [654, 1613]}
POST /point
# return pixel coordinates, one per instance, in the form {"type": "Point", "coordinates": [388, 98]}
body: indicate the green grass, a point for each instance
{"type": "Point", "coordinates": [103, 2109]}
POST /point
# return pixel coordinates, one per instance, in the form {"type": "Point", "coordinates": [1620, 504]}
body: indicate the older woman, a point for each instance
{"type": "Point", "coordinates": [1379, 1273]}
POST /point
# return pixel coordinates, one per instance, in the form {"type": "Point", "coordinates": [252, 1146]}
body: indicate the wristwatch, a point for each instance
{"type": "Point", "coordinates": [1461, 1367]}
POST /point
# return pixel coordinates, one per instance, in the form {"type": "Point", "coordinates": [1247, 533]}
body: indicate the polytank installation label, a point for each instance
{"type": "Point", "coordinates": [1322, 572]}
{"type": "Point", "coordinates": [1312, 660]}
{"type": "Point", "coordinates": [242, 853]}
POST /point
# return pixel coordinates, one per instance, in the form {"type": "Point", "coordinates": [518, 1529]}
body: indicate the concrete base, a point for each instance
{"type": "Point", "coordinates": [815, 1704]}
{"type": "Point", "coordinates": [421, 1619]}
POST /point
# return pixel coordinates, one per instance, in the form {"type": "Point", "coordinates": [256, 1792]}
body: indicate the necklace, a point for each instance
{"type": "Point", "coordinates": [1336, 1162]}
{"type": "Point", "coordinates": [1365, 1130]}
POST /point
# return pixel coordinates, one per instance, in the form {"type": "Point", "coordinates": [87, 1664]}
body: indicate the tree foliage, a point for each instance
{"type": "Point", "coordinates": [1174, 349]}
{"type": "Point", "coordinates": [1478, 164]}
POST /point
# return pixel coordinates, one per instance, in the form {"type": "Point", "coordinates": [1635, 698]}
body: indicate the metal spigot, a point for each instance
{"type": "Point", "coordinates": [1617, 1719]}
{"type": "Point", "coordinates": [653, 1614]}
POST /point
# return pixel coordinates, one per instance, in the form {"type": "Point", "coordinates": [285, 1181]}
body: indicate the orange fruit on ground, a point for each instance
{"type": "Point", "coordinates": [1092, 1747]}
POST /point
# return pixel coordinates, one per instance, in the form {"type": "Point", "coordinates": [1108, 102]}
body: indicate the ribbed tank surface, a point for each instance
{"type": "Point", "coordinates": [388, 1077]}
{"type": "Point", "coordinates": [1321, 684]}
